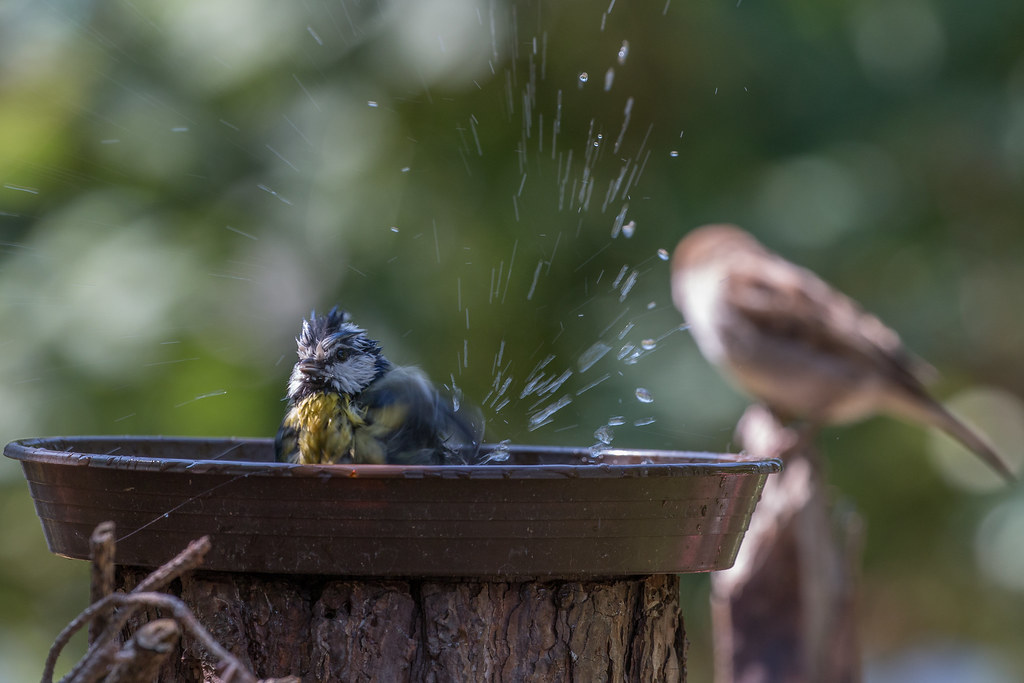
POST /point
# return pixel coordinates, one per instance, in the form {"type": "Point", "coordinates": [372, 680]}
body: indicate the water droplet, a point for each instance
{"type": "Point", "coordinates": [673, 154]}
{"type": "Point", "coordinates": [597, 452]}
{"type": "Point", "coordinates": [624, 351]}
{"type": "Point", "coordinates": [592, 355]}
{"type": "Point", "coordinates": [371, 103]}
{"type": "Point", "coordinates": [663, 254]}
{"type": "Point", "coordinates": [394, 229]}
{"type": "Point", "coordinates": [583, 78]}
{"type": "Point", "coordinates": [603, 434]}
{"type": "Point", "coordinates": [628, 285]}
{"type": "Point", "coordinates": [651, 305]}
{"type": "Point", "coordinates": [609, 78]}
{"type": "Point", "coordinates": [618, 278]}
{"type": "Point", "coordinates": [648, 344]}
{"type": "Point", "coordinates": [616, 420]}
{"type": "Point", "coordinates": [643, 395]}
{"type": "Point", "coordinates": [643, 421]}
{"type": "Point", "coordinates": [628, 229]}
{"type": "Point", "coordinates": [500, 453]}
{"type": "Point", "coordinates": [623, 52]}
{"type": "Point", "coordinates": [544, 415]}
{"type": "Point", "coordinates": [406, 169]}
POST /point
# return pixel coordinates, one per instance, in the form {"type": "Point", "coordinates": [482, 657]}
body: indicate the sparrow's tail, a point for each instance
{"type": "Point", "coordinates": [934, 413]}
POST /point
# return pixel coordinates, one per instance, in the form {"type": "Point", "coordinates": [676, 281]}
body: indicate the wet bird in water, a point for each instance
{"type": "Point", "coordinates": [347, 403]}
{"type": "Point", "coordinates": [796, 344]}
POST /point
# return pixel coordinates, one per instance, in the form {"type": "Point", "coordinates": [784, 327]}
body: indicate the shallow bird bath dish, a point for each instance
{"type": "Point", "coordinates": [543, 512]}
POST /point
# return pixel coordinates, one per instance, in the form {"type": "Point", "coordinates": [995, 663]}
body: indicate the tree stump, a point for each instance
{"type": "Point", "coordinates": [343, 629]}
{"type": "Point", "coordinates": [786, 611]}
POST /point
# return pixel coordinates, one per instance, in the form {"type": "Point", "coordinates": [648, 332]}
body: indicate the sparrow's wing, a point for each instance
{"type": "Point", "coordinates": [785, 300]}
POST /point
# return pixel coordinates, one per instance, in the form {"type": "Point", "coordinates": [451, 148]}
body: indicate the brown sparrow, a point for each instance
{"type": "Point", "coordinates": [796, 344]}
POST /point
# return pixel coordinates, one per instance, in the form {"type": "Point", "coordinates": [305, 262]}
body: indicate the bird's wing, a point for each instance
{"type": "Point", "coordinates": [785, 300]}
{"type": "Point", "coordinates": [414, 420]}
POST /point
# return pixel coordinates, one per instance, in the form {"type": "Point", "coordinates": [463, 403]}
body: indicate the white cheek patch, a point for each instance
{"type": "Point", "coordinates": [295, 382]}
{"type": "Point", "coordinates": [354, 374]}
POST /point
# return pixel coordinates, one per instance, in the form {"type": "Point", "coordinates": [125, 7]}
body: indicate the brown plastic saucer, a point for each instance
{"type": "Point", "coordinates": [543, 512]}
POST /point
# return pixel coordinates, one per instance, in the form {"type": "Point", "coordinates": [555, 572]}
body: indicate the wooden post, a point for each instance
{"type": "Point", "coordinates": [786, 611]}
{"type": "Point", "coordinates": [340, 629]}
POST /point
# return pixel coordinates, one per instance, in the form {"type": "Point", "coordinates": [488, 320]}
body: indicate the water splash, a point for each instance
{"type": "Point", "coordinates": [618, 278]}
{"type": "Point", "coordinates": [628, 285]}
{"type": "Point", "coordinates": [544, 415]}
{"type": "Point", "coordinates": [500, 453]}
{"type": "Point", "coordinates": [595, 353]}
{"type": "Point", "coordinates": [596, 454]}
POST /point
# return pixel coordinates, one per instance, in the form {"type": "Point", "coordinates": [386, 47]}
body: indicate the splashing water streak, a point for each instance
{"type": "Point", "coordinates": [628, 285]}
{"type": "Point", "coordinates": [618, 278]}
{"type": "Point", "coordinates": [544, 416]}
{"type": "Point", "coordinates": [500, 453]}
{"type": "Point", "coordinates": [595, 353]}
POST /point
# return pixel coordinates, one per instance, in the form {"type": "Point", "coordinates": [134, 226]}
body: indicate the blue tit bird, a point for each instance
{"type": "Point", "coordinates": [347, 403]}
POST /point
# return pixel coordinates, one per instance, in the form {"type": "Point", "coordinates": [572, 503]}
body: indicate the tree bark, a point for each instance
{"type": "Point", "coordinates": [331, 629]}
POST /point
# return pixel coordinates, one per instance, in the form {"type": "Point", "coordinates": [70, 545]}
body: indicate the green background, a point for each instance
{"type": "Point", "coordinates": [181, 182]}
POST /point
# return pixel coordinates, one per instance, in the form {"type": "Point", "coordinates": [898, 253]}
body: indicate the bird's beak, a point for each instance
{"type": "Point", "coordinates": [307, 366]}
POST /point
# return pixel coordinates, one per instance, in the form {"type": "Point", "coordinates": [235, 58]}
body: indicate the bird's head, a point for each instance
{"type": "Point", "coordinates": [335, 355]}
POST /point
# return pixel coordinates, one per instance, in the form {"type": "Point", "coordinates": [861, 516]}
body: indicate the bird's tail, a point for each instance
{"type": "Point", "coordinates": [934, 413]}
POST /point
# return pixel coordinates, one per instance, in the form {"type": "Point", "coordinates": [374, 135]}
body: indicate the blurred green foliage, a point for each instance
{"type": "Point", "coordinates": [180, 183]}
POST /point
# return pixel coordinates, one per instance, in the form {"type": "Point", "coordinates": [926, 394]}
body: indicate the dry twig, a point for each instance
{"type": "Point", "coordinates": [141, 658]}
{"type": "Point", "coordinates": [101, 584]}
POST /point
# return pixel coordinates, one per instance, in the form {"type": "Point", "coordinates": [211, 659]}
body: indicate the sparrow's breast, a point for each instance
{"type": "Point", "coordinates": [699, 293]}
